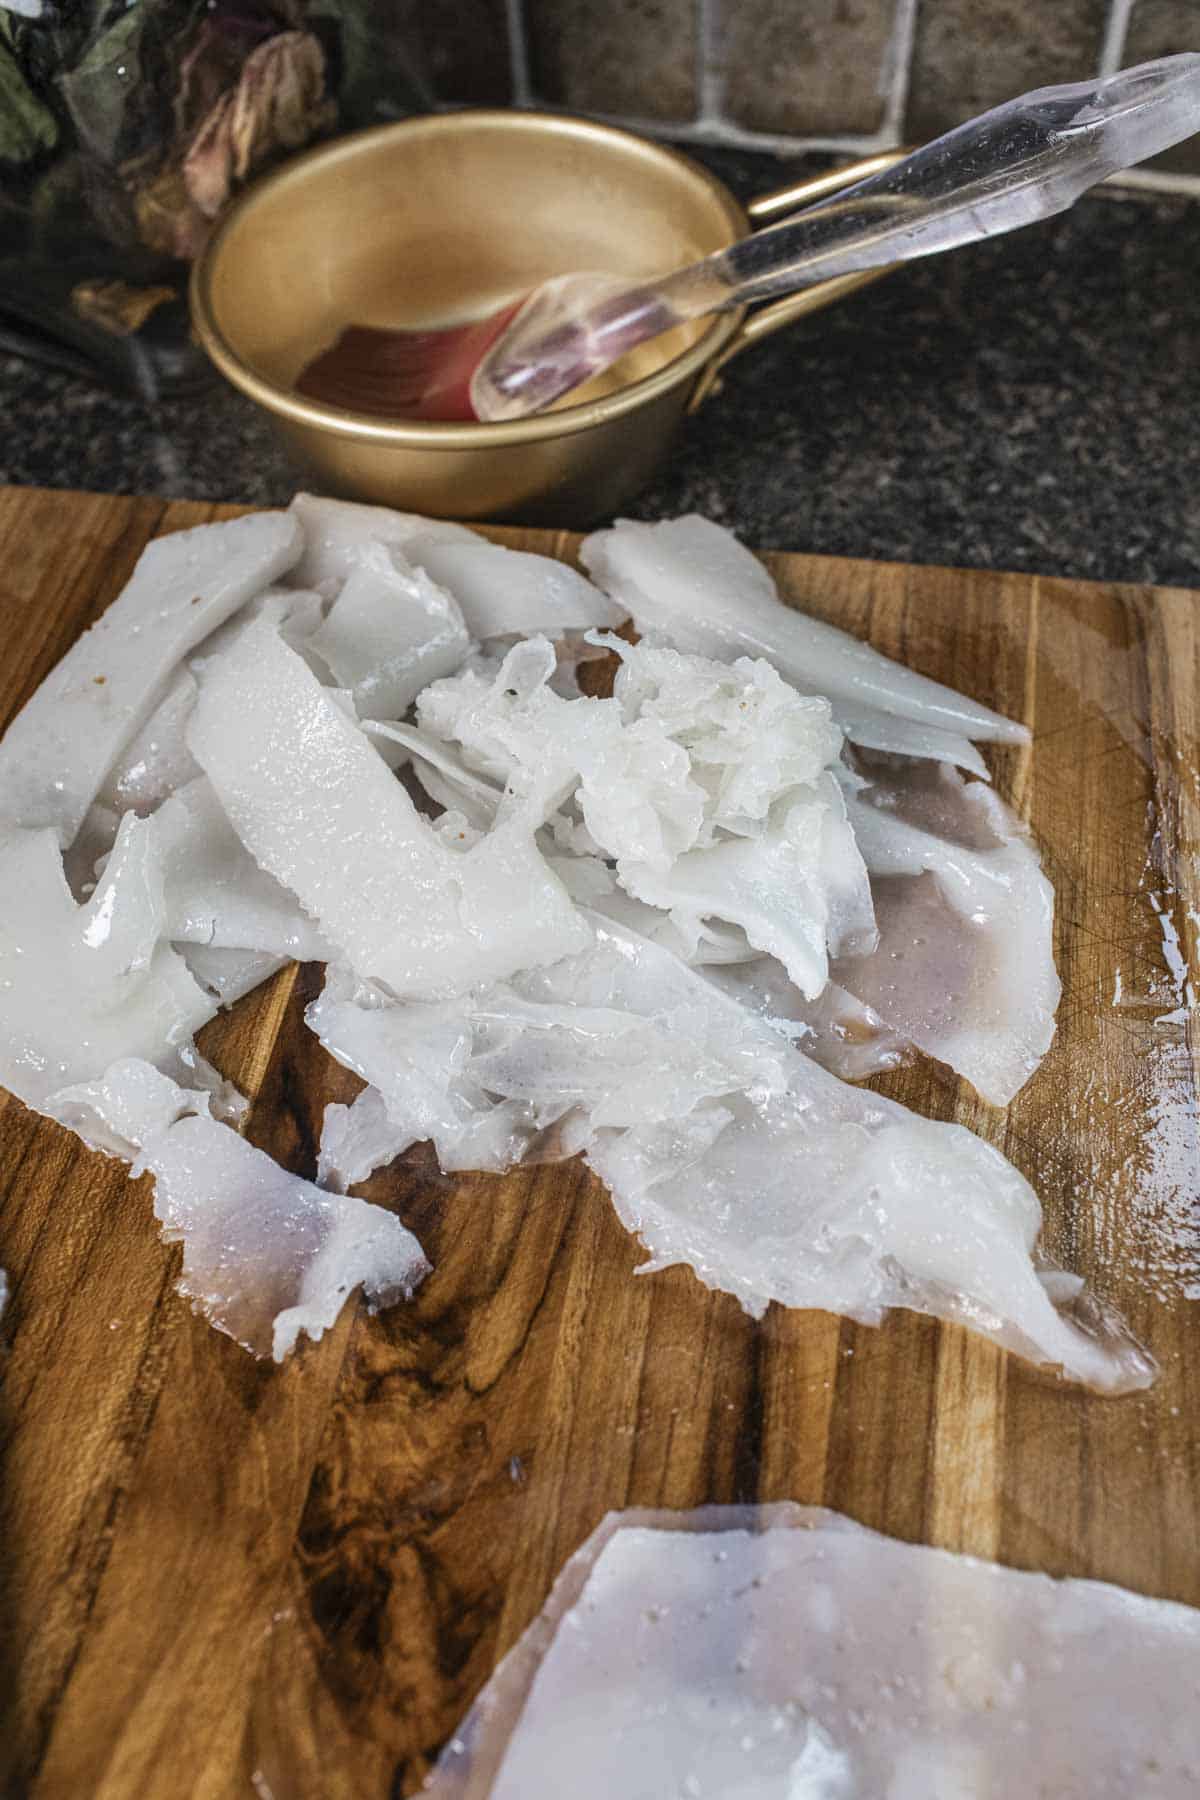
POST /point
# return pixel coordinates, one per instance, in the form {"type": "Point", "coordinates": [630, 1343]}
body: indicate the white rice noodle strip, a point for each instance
{"type": "Point", "coordinates": [316, 807]}
{"type": "Point", "coordinates": [130, 1103]}
{"type": "Point", "coordinates": [686, 750]}
{"type": "Point", "coordinates": [686, 754]}
{"type": "Point", "coordinates": [444, 793]}
{"type": "Point", "coordinates": [268, 1255]}
{"type": "Point", "coordinates": [726, 1149]}
{"type": "Point", "coordinates": [157, 760]}
{"type": "Point", "coordinates": [784, 1650]}
{"type": "Point", "coordinates": [835, 1030]}
{"type": "Point", "coordinates": [749, 737]}
{"type": "Point", "coordinates": [472, 793]}
{"type": "Point", "coordinates": [413, 1056]}
{"type": "Point", "coordinates": [215, 893]}
{"type": "Point", "coordinates": [502, 591]}
{"type": "Point", "coordinates": [340, 534]}
{"type": "Point", "coordinates": [356, 1140]}
{"type": "Point", "coordinates": [590, 882]}
{"type": "Point", "coordinates": [796, 891]}
{"type": "Point", "coordinates": [903, 737]}
{"type": "Point", "coordinates": [92, 844]}
{"type": "Point", "coordinates": [59, 748]}
{"type": "Point", "coordinates": [890, 1210]}
{"type": "Point", "coordinates": [965, 964]}
{"type": "Point", "coordinates": [229, 974]}
{"type": "Point", "coordinates": [692, 582]}
{"type": "Point", "coordinates": [389, 633]}
{"type": "Point", "coordinates": [512, 728]}
{"type": "Point", "coordinates": [86, 985]}
{"type": "Point", "coordinates": [294, 612]}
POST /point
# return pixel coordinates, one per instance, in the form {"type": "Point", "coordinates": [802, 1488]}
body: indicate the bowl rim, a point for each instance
{"type": "Point", "coordinates": [421, 433]}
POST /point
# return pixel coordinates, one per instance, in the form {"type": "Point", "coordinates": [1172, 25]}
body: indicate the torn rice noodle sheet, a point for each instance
{"type": "Point", "coordinates": [356, 1140]}
{"type": "Point", "coordinates": [316, 807]}
{"type": "Point", "coordinates": [414, 1058]}
{"type": "Point", "coordinates": [497, 591]}
{"type": "Point", "coordinates": [84, 986]}
{"type": "Point", "coordinates": [215, 894]}
{"type": "Point", "coordinates": [693, 583]}
{"type": "Point", "coordinates": [157, 760]}
{"type": "Point", "coordinates": [706, 785]}
{"type": "Point", "coordinates": [59, 748]}
{"type": "Point", "coordinates": [389, 633]}
{"type": "Point", "coordinates": [726, 1149]}
{"type": "Point", "coordinates": [228, 975]}
{"type": "Point", "coordinates": [835, 1029]}
{"type": "Point", "coordinates": [125, 1107]}
{"type": "Point", "coordinates": [339, 535]}
{"type": "Point", "coordinates": [965, 963]}
{"type": "Point", "coordinates": [881, 731]}
{"type": "Point", "coordinates": [295, 613]}
{"type": "Point", "coordinates": [964, 969]}
{"type": "Point", "coordinates": [784, 1652]}
{"type": "Point", "coordinates": [266, 1254]}
{"type": "Point", "coordinates": [503, 592]}
{"type": "Point", "coordinates": [798, 891]}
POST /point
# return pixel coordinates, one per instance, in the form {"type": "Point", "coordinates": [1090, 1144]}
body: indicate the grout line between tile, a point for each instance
{"type": "Point", "coordinates": [731, 137]}
{"type": "Point", "coordinates": [518, 53]}
{"type": "Point", "coordinates": [1155, 181]}
{"type": "Point", "coordinates": [710, 64]}
{"type": "Point", "coordinates": [1116, 32]}
{"type": "Point", "coordinates": [716, 131]}
{"type": "Point", "coordinates": [897, 70]}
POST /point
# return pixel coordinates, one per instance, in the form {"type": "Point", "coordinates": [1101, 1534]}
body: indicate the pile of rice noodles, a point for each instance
{"type": "Point", "coordinates": [663, 929]}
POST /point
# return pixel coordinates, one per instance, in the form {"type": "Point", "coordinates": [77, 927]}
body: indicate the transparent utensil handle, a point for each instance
{"type": "Point", "coordinates": [1021, 162]}
{"type": "Point", "coordinates": [766, 320]}
{"type": "Point", "coordinates": [1016, 164]}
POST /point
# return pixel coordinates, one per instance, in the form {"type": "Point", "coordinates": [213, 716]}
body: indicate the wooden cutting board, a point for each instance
{"type": "Point", "coordinates": [224, 1579]}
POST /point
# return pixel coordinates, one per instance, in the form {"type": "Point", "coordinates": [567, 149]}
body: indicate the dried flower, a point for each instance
{"type": "Point", "coordinates": [118, 306]}
{"type": "Point", "coordinates": [278, 104]}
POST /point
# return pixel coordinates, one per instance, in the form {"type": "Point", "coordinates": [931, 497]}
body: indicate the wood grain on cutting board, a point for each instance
{"type": "Point", "coordinates": [219, 1578]}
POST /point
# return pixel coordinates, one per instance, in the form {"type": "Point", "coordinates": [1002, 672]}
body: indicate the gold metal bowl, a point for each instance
{"type": "Point", "coordinates": [449, 215]}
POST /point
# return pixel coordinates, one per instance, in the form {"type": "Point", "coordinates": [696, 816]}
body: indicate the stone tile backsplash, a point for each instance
{"type": "Point", "coordinates": [792, 75]}
{"type": "Point", "coordinates": [823, 66]}
{"type": "Point", "coordinates": [625, 57]}
{"type": "Point", "coordinates": [972, 54]}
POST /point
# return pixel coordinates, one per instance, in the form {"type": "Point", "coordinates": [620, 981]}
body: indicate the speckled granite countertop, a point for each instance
{"type": "Point", "coordinates": [1028, 404]}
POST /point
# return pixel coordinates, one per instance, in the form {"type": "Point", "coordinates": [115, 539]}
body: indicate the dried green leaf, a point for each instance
{"type": "Point", "coordinates": [26, 126]}
{"type": "Point", "coordinates": [100, 86]}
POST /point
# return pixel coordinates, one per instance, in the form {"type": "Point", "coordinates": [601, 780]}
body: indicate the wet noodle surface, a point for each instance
{"type": "Point", "coordinates": [306, 1574]}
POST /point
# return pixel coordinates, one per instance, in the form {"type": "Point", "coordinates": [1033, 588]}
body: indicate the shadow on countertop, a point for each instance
{"type": "Point", "coordinates": [1031, 404]}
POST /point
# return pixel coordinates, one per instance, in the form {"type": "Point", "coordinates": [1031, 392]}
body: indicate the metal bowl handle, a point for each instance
{"type": "Point", "coordinates": [767, 209]}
